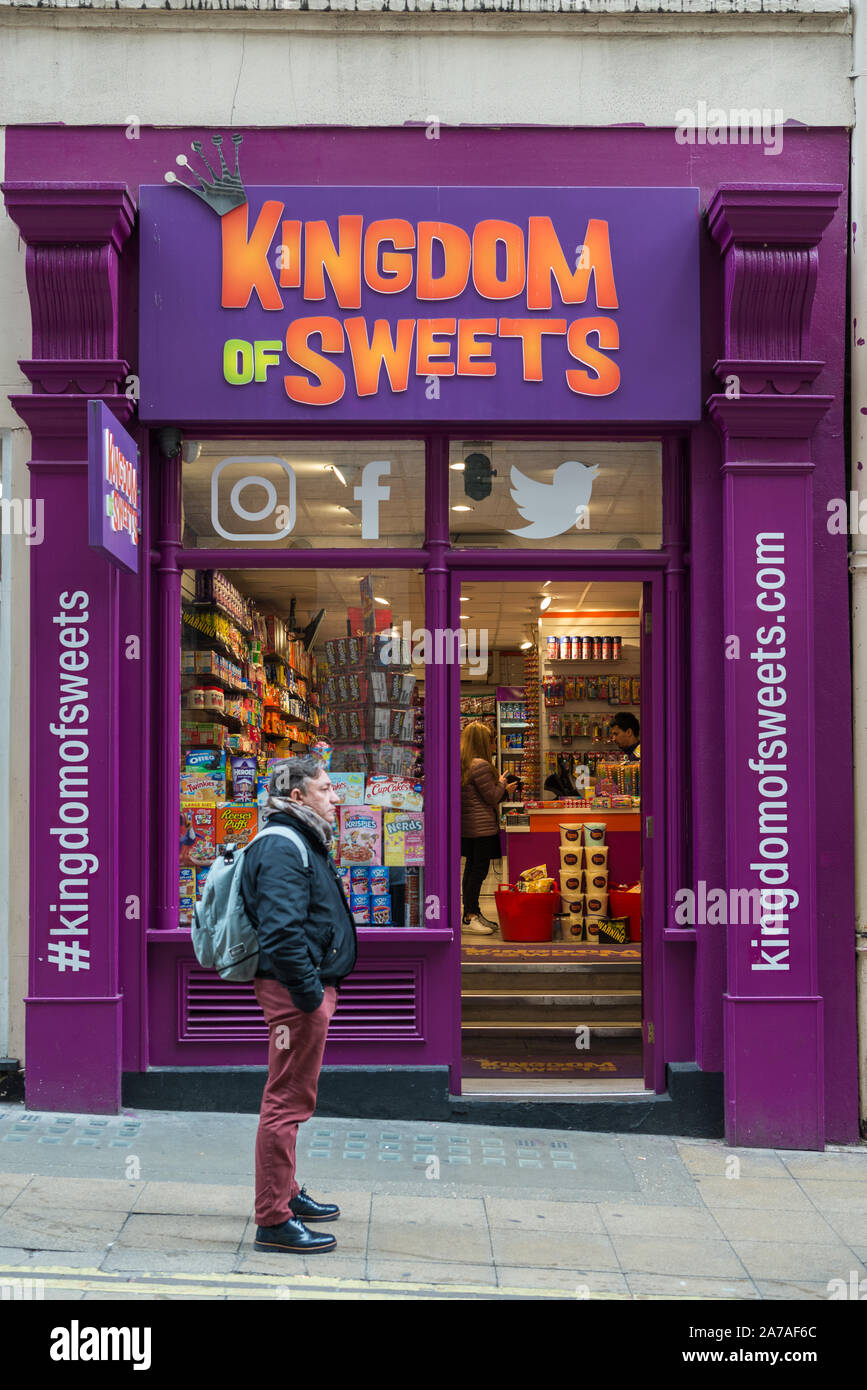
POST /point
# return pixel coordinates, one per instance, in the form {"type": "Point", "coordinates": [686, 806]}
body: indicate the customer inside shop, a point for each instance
{"type": "Point", "coordinates": [482, 791]}
{"type": "Point", "coordinates": [625, 732]}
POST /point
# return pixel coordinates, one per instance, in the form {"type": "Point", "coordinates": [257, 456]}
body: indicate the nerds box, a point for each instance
{"type": "Point", "coordinates": [374, 304]}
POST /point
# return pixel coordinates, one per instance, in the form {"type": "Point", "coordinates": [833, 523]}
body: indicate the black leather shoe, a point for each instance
{"type": "Point", "coordinates": [307, 1209]}
{"type": "Point", "coordinates": [293, 1237]}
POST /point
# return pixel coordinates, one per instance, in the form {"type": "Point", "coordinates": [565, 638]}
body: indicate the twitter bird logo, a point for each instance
{"type": "Point", "coordinates": [551, 508]}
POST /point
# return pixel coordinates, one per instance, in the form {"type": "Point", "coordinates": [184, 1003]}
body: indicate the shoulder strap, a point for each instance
{"type": "Point", "coordinates": [289, 835]}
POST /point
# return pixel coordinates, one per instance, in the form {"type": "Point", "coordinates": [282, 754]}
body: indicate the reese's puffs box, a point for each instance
{"type": "Point", "coordinates": [236, 823]}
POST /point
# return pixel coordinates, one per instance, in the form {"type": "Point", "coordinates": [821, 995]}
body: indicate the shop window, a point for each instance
{"type": "Point", "coordinates": [276, 664]}
{"type": "Point", "coordinates": [556, 494]}
{"type": "Point", "coordinates": [274, 494]}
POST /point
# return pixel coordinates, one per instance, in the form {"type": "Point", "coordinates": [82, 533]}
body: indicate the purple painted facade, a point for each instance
{"type": "Point", "coordinates": [765, 458]}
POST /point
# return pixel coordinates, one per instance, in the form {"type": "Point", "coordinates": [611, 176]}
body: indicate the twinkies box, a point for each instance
{"type": "Point", "coordinates": [236, 824]}
{"type": "Point", "coordinates": [360, 835]}
{"type": "Point", "coordinates": [203, 786]}
{"type": "Point", "coordinates": [402, 838]}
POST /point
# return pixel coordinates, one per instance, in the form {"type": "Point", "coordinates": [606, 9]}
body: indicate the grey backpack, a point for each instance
{"type": "Point", "coordinates": [224, 938]}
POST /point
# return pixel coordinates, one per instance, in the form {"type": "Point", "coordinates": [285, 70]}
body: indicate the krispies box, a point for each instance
{"type": "Point", "coordinates": [360, 835]}
{"type": "Point", "coordinates": [396, 793]}
{"type": "Point", "coordinates": [198, 833]}
{"type": "Point", "coordinates": [403, 837]}
{"type": "Point", "coordinates": [236, 824]}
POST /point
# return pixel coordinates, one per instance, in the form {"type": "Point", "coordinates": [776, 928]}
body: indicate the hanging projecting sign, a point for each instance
{"type": "Point", "coordinates": [114, 498]}
{"type": "Point", "coordinates": [418, 304]}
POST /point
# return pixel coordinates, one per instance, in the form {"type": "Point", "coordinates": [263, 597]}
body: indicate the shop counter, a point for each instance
{"type": "Point", "coordinates": [539, 843]}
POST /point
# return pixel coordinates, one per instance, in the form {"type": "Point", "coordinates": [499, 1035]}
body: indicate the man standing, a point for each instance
{"type": "Point", "coordinates": [307, 946]}
{"type": "Point", "coordinates": [625, 732]}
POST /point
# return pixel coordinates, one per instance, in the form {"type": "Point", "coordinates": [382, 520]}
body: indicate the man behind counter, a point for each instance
{"type": "Point", "coordinates": [625, 731]}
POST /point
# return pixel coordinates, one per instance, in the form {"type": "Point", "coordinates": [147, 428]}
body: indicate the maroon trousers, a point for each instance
{"type": "Point", "coordinates": [296, 1042]}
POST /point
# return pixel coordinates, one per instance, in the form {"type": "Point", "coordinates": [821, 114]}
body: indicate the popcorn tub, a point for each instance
{"type": "Point", "coordinates": [526, 916]}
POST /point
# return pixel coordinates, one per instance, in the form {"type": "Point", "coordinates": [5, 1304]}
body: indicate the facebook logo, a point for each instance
{"type": "Point", "coordinates": [370, 492]}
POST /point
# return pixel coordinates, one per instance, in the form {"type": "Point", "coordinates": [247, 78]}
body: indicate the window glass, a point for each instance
{"type": "Point", "coordinates": [279, 663]}
{"type": "Point", "coordinates": [283, 495]}
{"type": "Point", "coordinates": [581, 495]}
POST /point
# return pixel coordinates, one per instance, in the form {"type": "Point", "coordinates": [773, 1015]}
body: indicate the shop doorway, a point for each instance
{"type": "Point", "coordinates": [563, 697]}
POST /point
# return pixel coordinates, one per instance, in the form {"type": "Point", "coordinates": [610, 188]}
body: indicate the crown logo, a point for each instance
{"type": "Point", "coordinates": [223, 191]}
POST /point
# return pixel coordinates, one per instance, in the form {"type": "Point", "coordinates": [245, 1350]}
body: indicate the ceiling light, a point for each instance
{"type": "Point", "coordinates": [332, 467]}
{"type": "Point", "coordinates": [546, 603]}
{"type": "Point", "coordinates": [545, 585]}
{"type": "Point", "coordinates": [380, 600]}
{"type": "Point", "coordinates": [458, 467]}
{"type": "Point", "coordinates": [465, 598]}
{"type": "Point", "coordinates": [525, 645]}
{"type": "Point", "coordinates": [461, 508]}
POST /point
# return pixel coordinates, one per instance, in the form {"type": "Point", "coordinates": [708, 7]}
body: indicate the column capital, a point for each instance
{"type": "Point", "coordinates": [74, 233]}
{"type": "Point", "coordinates": [769, 431]}
{"type": "Point", "coordinates": [769, 236]}
{"type": "Point", "coordinates": [771, 214]}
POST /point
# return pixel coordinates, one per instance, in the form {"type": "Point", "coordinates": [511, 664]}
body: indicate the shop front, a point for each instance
{"type": "Point", "coordinates": [548, 454]}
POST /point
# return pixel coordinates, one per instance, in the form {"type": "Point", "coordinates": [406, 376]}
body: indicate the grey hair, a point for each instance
{"type": "Point", "coordinates": [292, 773]}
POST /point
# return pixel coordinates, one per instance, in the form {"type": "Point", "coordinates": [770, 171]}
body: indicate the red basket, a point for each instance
{"type": "Point", "coordinates": [625, 904]}
{"type": "Point", "coordinates": [526, 916]}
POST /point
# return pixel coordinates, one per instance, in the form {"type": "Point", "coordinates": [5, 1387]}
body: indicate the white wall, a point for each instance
{"type": "Point", "coordinates": [242, 66]}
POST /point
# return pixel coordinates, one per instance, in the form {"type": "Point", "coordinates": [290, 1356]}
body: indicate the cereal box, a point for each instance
{"type": "Point", "coordinates": [349, 787]}
{"type": "Point", "coordinates": [187, 880]}
{"type": "Point", "coordinates": [185, 914]}
{"type": "Point", "coordinates": [360, 835]}
{"type": "Point", "coordinates": [198, 833]}
{"type": "Point", "coordinates": [403, 838]}
{"type": "Point", "coordinates": [201, 875]}
{"type": "Point", "coordinates": [236, 823]}
{"type": "Point", "coordinates": [397, 793]}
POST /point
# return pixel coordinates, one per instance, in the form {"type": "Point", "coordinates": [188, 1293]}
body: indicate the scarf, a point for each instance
{"type": "Point", "coordinates": [311, 818]}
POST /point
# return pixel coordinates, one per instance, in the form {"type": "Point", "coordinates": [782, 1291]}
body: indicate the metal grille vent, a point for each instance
{"type": "Point", "coordinates": [376, 1005]}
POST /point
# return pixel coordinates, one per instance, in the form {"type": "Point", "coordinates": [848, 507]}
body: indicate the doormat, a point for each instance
{"type": "Point", "coordinates": [500, 951]}
{"type": "Point", "coordinates": [603, 1065]}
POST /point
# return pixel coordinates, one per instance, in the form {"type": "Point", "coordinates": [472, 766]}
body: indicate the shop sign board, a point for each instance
{"type": "Point", "coordinates": [418, 304]}
{"type": "Point", "coordinates": [114, 490]}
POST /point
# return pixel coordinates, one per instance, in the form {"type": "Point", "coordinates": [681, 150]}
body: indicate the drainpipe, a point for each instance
{"type": "Point", "coordinates": [858, 554]}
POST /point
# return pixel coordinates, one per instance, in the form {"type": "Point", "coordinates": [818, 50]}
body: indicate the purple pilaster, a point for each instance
{"type": "Point", "coordinates": [74, 235]}
{"type": "Point", "coordinates": [679, 945]}
{"type": "Point", "coordinates": [168, 699]}
{"type": "Point", "coordinates": [773, 1011]}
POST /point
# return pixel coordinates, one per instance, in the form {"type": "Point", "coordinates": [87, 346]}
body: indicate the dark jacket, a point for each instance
{"type": "Point", "coordinates": [481, 794]}
{"type": "Point", "coordinates": [307, 936]}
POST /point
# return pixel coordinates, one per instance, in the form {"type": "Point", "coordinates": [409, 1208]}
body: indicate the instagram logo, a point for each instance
{"type": "Point", "coordinates": [273, 519]}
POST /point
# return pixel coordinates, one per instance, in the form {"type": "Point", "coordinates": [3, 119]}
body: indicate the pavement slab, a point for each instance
{"type": "Point", "coordinates": [801, 1261]}
{"type": "Point", "coordinates": [99, 1208]}
{"type": "Point", "coordinates": [678, 1255]}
